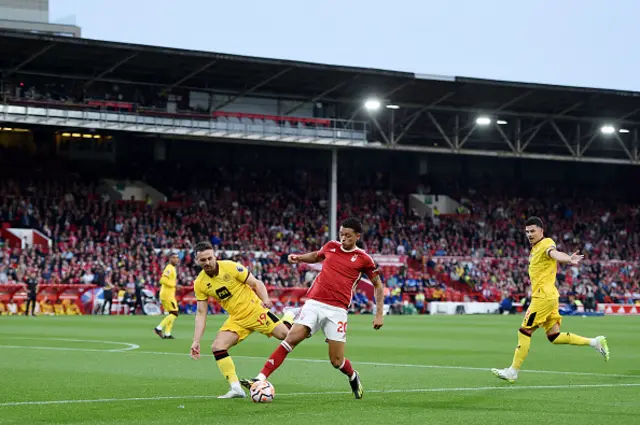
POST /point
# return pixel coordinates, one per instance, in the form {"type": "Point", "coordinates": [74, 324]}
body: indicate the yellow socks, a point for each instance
{"type": "Point", "coordinates": [226, 366]}
{"type": "Point", "coordinates": [167, 324]}
{"type": "Point", "coordinates": [524, 342]}
{"type": "Point", "coordinates": [569, 338]}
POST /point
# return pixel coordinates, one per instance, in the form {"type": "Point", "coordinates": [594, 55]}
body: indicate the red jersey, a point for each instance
{"type": "Point", "coordinates": [341, 272]}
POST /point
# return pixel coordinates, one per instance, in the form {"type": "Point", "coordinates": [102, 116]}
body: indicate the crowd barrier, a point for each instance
{"type": "Point", "coordinates": [450, 307]}
{"type": "Point", "coordinates": [619, 309]}
{"type": "Point", "coordinates": [89, 298]}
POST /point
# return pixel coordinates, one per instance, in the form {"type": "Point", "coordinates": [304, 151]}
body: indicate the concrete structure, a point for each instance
{"type": "Point", "coordinates": [32, 16]}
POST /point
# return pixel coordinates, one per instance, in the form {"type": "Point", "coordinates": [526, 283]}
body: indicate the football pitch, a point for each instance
{"type": "Point", "coordinates": [417, 369]}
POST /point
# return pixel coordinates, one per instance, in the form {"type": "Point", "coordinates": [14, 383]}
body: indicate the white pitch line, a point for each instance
{"type": "Point", "coordinates": [35, 347]}
{"type": "Point", "coordinates": [390, 391]}
{"type": "Point", "coordinates": [418, 366]}
{"type": "Point", "coordinates": [294, 359]}
{"type": "Point", "coordinates": [424, 366]}
{"type": "Point", "coordinates": [128, 345]}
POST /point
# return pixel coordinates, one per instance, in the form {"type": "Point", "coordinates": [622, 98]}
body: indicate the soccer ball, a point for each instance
{"type": "Point", "coordinates": [262, 392]}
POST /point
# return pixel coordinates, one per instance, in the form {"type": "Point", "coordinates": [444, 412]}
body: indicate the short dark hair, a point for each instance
{"type": "Point", "coordinates": [534, 221]}
{"type": "Point", "coordinates": [203, 246]}
{"type": "Point", "coordinates": [352, 223]}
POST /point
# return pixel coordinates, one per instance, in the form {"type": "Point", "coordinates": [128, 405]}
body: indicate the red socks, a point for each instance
{"type": "Point", "coordinates": [276, 359]}
{"type": "Point", "coordinates": [280, 353]}
{"type": "Point", "coordinates": [346, 368]}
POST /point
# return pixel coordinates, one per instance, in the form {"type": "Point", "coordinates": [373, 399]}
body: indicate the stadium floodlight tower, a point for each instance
{"type": "Point", "coordinates": [333, 190]}
{"type": "Point", "coordinates": [371, 105]}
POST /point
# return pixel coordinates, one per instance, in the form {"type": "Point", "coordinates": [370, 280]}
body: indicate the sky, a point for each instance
{"type": "Point", "coordinates": [587, 43]}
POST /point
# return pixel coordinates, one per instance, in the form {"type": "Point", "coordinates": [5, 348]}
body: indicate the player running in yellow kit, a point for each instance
{"type": "Point", "coordinates": [543, 311]}
{"type": "Point", "coordinates": [246, 300]}
{"type": "Point", "coordinates": [168, 283]}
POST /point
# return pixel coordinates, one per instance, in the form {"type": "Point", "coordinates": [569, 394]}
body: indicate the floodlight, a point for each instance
{"type": "Point", "coordinates": [607, 129]}
{"type": "Point", "coordinates": [393, 107]}
{"type": "Point", "coordinates": [501, 122]}
{"type": "Point", "coordinates": [623, 130]}
{"type": "Point", "coordinates": [372, 104]}
{"type": "Point", "coordinates": [483, 120]}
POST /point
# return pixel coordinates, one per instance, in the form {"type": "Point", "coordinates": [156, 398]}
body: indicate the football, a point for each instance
{"type": "Point", "coordinates": [262, 392]}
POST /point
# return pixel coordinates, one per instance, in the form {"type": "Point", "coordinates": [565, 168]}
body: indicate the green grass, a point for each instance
{"type": "Point", "coordinates": [62, 358]}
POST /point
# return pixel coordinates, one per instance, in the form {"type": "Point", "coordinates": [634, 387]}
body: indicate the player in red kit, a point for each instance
{"type": "Point", "coordinates": [329, 297]}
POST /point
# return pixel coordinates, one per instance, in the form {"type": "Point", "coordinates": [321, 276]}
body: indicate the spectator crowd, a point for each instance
{"type": "Point", "coordinates": [258, 220]}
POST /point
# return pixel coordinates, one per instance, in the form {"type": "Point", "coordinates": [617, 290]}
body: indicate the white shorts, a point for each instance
{"type": "Point", "coordinates": [332, 320]}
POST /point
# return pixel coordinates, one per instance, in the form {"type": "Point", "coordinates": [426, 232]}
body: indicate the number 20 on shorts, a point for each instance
{"type": "Point", "coordinates": [342, 327]}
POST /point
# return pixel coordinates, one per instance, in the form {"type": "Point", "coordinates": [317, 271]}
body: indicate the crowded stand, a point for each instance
{"type": "Point", "coordinates": [259, 216]}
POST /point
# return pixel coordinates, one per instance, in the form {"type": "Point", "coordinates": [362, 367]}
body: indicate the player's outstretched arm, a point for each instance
{"type": "Point", "coordinates": [201, 324]}
{"type": "Point", "coordinates": [309, 258]}
{"type": "Point", "coordinates": [565, 258]}
{"type": "Point", "coordinates": [259, 288]}
{"type": "Point", "coordinates": [378, 321]}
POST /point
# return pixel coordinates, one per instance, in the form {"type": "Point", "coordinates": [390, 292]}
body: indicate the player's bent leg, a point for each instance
{"type": "Point", "coordinates": [169, 306]}
{"type": "Point", "coordinates": [340, 362]}
{"type": "Point", "coordinates": [599, 343]}
{"type": "Point", "coordinates": [225, 340]}
{"type": "Point", "coordinates": [281, 331]}
{"type": "Point", "coordinates": [159, 329]}
{"type": "Point", "coordinates": [336, 354]}
{"type": "Point", "coordinates": [306, 323]}
{"type": "Point", "coordinates": [173, 315]}
{"type": "Point", "coordinates": [295, 336]}
{"type": "Point", "coordinates": [537, 315]}
{"type": "Point", "coordinates": [510, 374]}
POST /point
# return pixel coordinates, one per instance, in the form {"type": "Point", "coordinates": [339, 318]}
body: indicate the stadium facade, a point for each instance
{"type": "Point", "coordinates": [416, 113]}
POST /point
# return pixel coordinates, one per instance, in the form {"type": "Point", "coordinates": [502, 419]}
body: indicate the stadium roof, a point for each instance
{"type": "Point", "coordinates": [435, 113]}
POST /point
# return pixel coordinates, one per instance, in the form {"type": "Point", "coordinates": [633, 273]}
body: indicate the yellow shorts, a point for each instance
{"type": "Point", "coordinates": [261, 320]}
{"type": "Point", "coordinates": [542, 313]}
{"type": "Point", "coordinates": [169, 304]}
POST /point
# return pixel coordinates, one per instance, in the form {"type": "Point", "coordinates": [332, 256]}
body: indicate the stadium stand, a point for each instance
{"type": "Point", "coordinates": [257, 201]}
{"type": "Point", "coordinates": [478, 255]}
